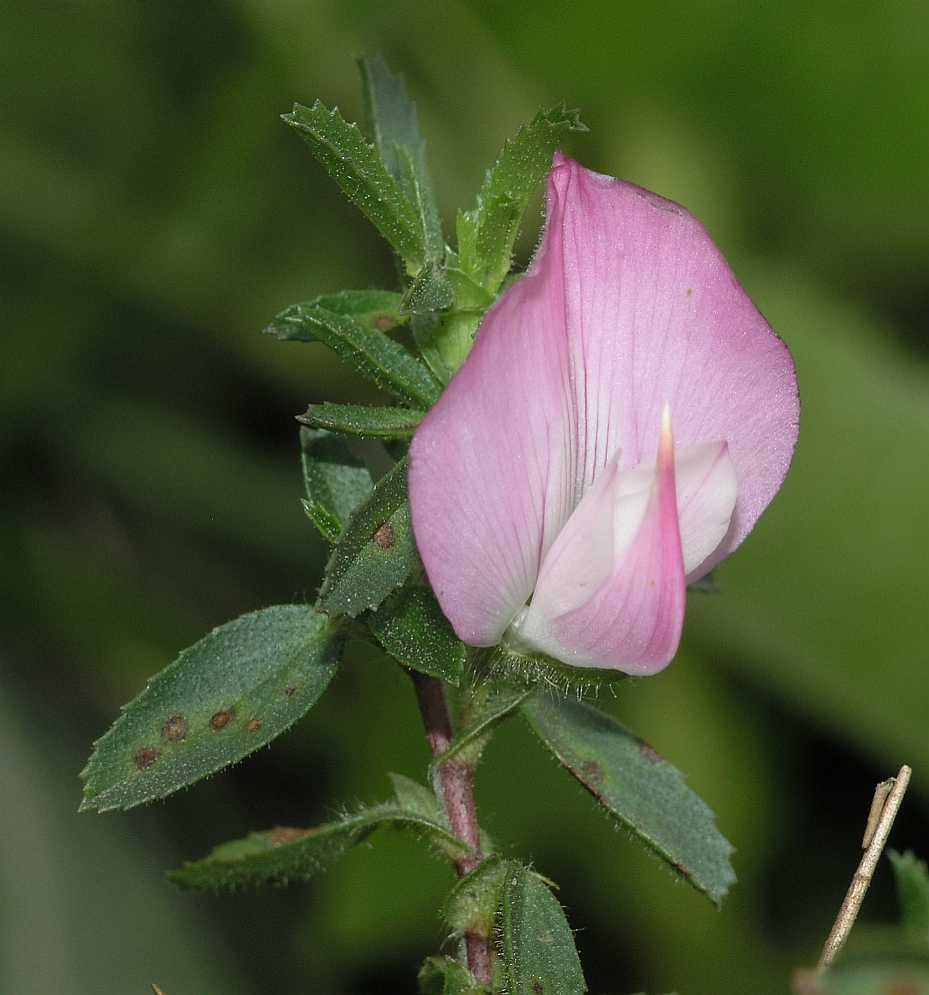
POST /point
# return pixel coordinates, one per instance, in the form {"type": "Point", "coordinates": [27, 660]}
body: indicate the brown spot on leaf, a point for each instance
{"type": "Point", "coordinates": [649, 753]}
{"type": "Point", "coordinates": [281, 835]}
{"type": "Point", "coordinates": [384, 537]}
{"type": "Point", "coordinates": [175, 729]}
{"type": "Point", "coordinates": [221, 719]}
{"type": "Point", "coordinates": [682, 870]}
{"type": "Point", "coordinates": [289, 691]}
{"type": "Point", "coordinates": [384, 323]}
{"type": "Point", "coordinates": [146, 756]}
{"type": "Point", "coordinates": [253, 725]}
{"type": "Point", "coordinates": [537, 986]}
{"type": "Point", "coordinates": [903, 987]}
{"type": "Point", "coordinates": [591, 773]}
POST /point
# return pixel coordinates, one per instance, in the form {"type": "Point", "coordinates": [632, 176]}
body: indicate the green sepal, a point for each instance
{"type": "Point", "coordinates": [912, 880]}
{"type": "Point", "coordinates": [375, 553]}
{"type": "Point", "coordinates": [358, 169]}
{"type": "Point", "coordinates": [335, 481]}
{"type": "Point", "coordinates": [284, 854]}
{"type": "Point", "coordinates": [536, 946]}
{"type": "Point", "coordinates": [232, 692]}
{"type": "Point", "coordinates": [394, 124]}
{"type": "Point", "coordinates": [371, 353]}
{"type": "Point", "coordinates": [638, 788]}
{"type": "Point", "coordinates": [446, 976]}
{"type": "Point", "coordinates": [487, 233]}
{"type": "Point", "coordinates": [363, 421]}
{"type": "Point", "coordinates": [412, 629]}
{"type": "Point", "coordinates": [517, 666]}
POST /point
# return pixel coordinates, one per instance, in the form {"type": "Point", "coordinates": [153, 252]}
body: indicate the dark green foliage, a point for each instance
{"type": "Point", "coordinates": [912, 877]}
{"type": "Point", "coordinates": [378, 310]}
{"type": "Point", "coordinates": [638, 788]}
{"type": "Point", "coordinates": [362, 176]}
{"type": "Point", "coordinates": [536, 946]}
{"type": "Point", "coordinates": [411, 627]}
{"type": "Point", "coordinates": [488, 704]}
{"type": "Point", "coordinates": [334, 480]}
{"type": "Point", "coordinates": [283, 854]}
{"type": "Point", "coordinates": [446, 976]}
{"type": "Point", "coordinates": [487, 233]}
{"type": "Point", "coordinates": [475, 900]}
{"type": "Point", "coordinates": [366, 422]}
{"type": "Point", "coordinates": [370, 352]}
{"type": "Point", "coordinates": [375, 553]}
{"type": "Point", "coordinates": [235, 690]}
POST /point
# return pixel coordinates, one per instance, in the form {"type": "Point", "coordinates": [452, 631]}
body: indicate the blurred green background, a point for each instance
{"type": "Point", "coordinates": [155, 213]}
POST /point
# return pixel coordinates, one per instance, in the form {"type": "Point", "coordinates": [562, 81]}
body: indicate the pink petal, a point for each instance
{"type": "Point", "coordinates": [612, 590]}
{"type": "Point", "coordinates": [653, 315]}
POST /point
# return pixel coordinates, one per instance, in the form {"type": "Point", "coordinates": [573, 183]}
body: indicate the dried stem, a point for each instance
{"type": "Point", "coordinates": [455, 787]}
{"type": "Point", "coordinates": [887, 798]}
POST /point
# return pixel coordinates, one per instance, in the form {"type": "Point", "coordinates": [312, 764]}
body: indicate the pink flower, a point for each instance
{"type": "Point", "coordinates": [551, 506]}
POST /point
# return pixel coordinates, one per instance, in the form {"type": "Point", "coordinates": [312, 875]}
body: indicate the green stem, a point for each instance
{"type": "Point", "coordinates": [455, 788]}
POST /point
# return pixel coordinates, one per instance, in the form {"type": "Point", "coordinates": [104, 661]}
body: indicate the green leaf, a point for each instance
{"type": "Point", "coordinates": [473, 903]}
{"type": "Point", "coordinates": [536, 943]}
{"type": "Point", "coordinates": [284, 854]}
{"type": "Point", "coordinates": [227, 695]}
{"type": "Point", "coordinates": [413, 630]}
{"type": "Point", "coordinates": [912, 878]}
{"type": "Point", "coordinates": [486, 234]}
{"type": "Point", "coordinates": [370, 352]}
{"type": "Point", "coordinates": [378, 310]}
{"type": "Point", "coordinates": [490, 703]}
{"type": "Point", "coordinates": [417, 798]}
{"type": "Point", "coordinates": [359, 170]}
{"type": "Point", "coordinates": [445, 976]}
{"type": "Point", "coordinates": [336, 482]}
{"type": "Point", "coordinates": [375, 553]}
{"type": "Point", "coordinates": [364, 421]}
{"type": "Point", "coordinates": [640, 789]}
{"type": "Point", "coordinates": [393, 121]}
{"type": "Point", "coordinates": [431, 291]}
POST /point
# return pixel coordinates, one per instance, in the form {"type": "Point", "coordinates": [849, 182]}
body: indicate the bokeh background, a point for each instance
{"type": "Point", "coordinates": [155, 213]}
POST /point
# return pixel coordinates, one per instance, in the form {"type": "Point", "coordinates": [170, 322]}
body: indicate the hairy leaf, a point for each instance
{"type": "Point", "coordinates": [487, 233]}
{"type": "Point", "coordinates": [640, 789]}
{"type": "Point", "coordinates": [393, 122]}
{"type": "Point", "coordinates": [375, 552]}
{"type": "Point", "coordinates": [227, 695]}
{"type": "Point", "coordinates": [446, 976]}
{"type": "Point", "coordinates": [373, 354]}
{"type": "Point", "coordinates": [363, 420]}
{"type": "Point", "coordinates": [359, 170]}
{"type": "Point", "coordinates": [335, 481]}
{"type": "Point", "coordinates": [411, 627]}
{"type": "Point", "coordinates": [285, 853]}
{"type": "Point", "coordinates": [378, 310]}
{"type": "Point", "coordinates": [489, 704]}
{"type": "Point", "coordinates": [536, 943]}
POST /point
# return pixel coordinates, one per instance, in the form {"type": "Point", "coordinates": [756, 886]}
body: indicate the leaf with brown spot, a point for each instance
{"type": "Point", "coordinates": [638, 788]}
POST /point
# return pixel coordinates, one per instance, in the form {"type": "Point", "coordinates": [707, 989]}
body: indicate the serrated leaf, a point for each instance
{"type": "Point", "coordinates": [489, 705]}
{"type": "Point", "coordinates": [375, 552]}
{"type": "Point", "coordinates": [640, 789]}
{"type": "Point", "coordinates": [912, 879]}
{"type": "Point", "coordinates": [227, 695]}
{"type": "Point", "coordinates": [285, 854]}
{"type": "Point", "coordinates": [486, 235]}
{"type": "Point", "coordinates": [445, 976]}
{"type": "Point", "coordinates": [394, 123]}
{"type": "Point", "coordinates": [364, 421]}
{"type": "Point", "coordinates": [370, 352]}
{"type": "Point", "coordinates": [360, 172]}
{"type": "Point", "coordinates": [335, 481]}
{"type": "Point", "coordinates": [412, 629]}
{"type": "Point", "coordinates": [536, 945]}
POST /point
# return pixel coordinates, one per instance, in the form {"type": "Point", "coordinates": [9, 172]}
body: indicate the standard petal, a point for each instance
{"type": "Point", "coordinates": [655, 315]}
{"type": "Point", "coordinates": [490, 465]}
{"type": "Point", "coordinates": [612, 589]}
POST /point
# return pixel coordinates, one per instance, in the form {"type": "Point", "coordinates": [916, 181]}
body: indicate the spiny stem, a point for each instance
{"type": "Point", "coordinates": [887, 798]}
{"type": "Point", "coordinates": [455, 787]}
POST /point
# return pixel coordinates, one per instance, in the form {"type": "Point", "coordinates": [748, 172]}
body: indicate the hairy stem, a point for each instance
{"type": "Point", "coordinates": [455, 787]}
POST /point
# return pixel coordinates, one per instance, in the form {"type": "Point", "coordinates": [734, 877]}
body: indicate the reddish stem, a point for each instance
{"type": "Point", "coordinates": [455, 784]}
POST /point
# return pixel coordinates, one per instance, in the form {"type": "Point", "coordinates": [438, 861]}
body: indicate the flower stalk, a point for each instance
{"type": "Point", "coordinates": [454, 784]}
